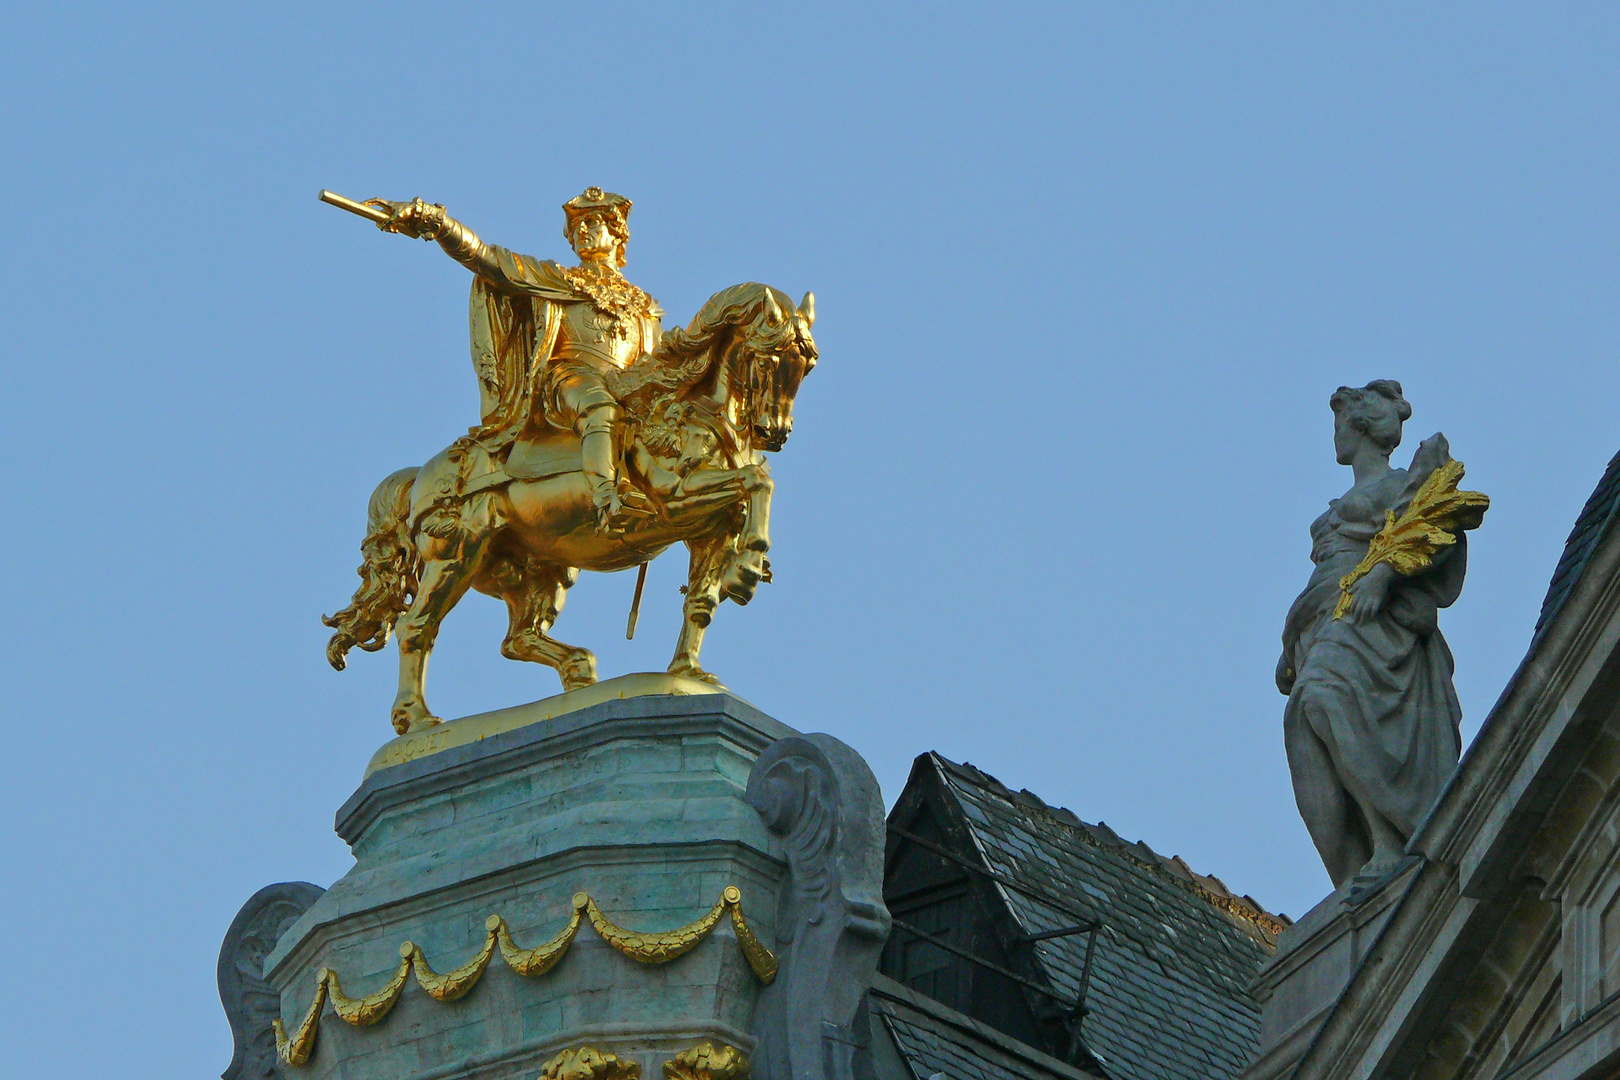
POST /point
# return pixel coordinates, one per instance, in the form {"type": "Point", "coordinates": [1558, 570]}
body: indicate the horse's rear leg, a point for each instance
{"type": "Point", "coordinates": [534, 594]}
{"type": "Point", "coordinates": [702, 597]}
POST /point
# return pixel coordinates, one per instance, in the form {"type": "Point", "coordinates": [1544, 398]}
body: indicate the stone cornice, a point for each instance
{"type": "Point", "coordinates": [1492, 800]}
{"type": "Point", "coordinates": [1574, 1054]}
{"type": "Point", "coordinates": [1394, 982]}
{"type": "Point", "coordinates": [522, 747]}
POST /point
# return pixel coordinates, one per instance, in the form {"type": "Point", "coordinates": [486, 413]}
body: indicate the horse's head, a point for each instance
{"type": "Point", "coordinates": [746, 351]}
{"type": "Point", "coordinates": [775, 353]}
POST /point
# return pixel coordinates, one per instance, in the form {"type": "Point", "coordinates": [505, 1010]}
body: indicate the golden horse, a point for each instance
{"type": "Point", "coordinates": [704, 409]}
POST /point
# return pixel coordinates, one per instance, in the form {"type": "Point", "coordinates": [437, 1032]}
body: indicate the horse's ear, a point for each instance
{"type": "Point", "coordinates": [773, 310]}
{"type": "Point", "coordinates": [807, 309]}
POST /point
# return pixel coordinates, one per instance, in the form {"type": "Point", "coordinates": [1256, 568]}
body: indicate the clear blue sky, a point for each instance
{"type": "Point", "coordinates": [1086, 276]}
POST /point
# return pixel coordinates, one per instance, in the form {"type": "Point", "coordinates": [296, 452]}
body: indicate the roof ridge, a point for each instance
{"type": "Point", "coordinates": [1240, 907]}
{"type": "Point", "coordinates": [1591, 524]}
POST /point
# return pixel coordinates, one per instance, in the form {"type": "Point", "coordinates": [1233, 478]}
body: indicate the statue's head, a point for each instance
{"type": "Point", "coordinates": [598, 225]}
{"type": "Point", "coordinates": [1373, 413]}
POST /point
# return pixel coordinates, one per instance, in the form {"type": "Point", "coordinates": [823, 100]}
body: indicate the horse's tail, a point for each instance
{"type": "Point", "coordinates": [388, 576]}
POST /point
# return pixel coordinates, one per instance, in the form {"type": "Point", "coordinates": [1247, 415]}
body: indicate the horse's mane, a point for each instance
{"type": "Point", "coordinates": [684, 355]}
{"type": "Point", "coordinates": [726, 308]}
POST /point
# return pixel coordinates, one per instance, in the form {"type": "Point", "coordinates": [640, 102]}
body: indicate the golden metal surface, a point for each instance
{"type": "Point", "coordinates": [635, 604]}
{"type": "Point", "coordinates": [452, 984]}
{"type": "Point", "coordinates": [654, 948]}
{"type": "Point", "coordinates": [541, 958]}
{"type": "Point", "coordinates": [470, 729]}
{"type": "Point", "coordinates": [295, 1051]}
{"type": "Point", "coordinates": [1409, 543]}
{"type": "Point", "coordinates": [754, 951]}
{"type": "Point", "coordinates": [648, 948]}
{"type": "Point", "coordinates": [603, 441]}
{"type": "Point", "coordinates": [370, 213]}
{"type": "Point", "coordinates": [365, 1011]}
{"type": "Point", "coordinates": [589, 1063]}
{"type": "Point", "coordinates": [706, 1061]}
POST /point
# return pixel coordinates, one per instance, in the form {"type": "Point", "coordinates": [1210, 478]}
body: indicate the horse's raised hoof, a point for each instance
{"type": "Point", "coordinates": [743, 576]}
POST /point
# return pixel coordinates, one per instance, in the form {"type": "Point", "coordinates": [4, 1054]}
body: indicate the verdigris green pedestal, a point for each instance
{"type": "Point", "coordinates": [642, 803]}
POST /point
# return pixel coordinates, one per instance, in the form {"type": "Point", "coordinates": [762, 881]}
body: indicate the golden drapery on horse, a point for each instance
{"type": "Point", "coordinates": [603, 441]}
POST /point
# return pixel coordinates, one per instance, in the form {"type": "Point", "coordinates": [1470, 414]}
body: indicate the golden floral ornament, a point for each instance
{"type": "Point", "coordinates": [643, 947]}
{"type": "Point", "coordinates": [589, 1063]}
{"type": "Point", "coordinates": [706, 1061]}
{"type": "Point", "coordinates": [610, 295]}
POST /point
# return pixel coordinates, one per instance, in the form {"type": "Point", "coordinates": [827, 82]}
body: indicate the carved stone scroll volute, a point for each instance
{"type": "Point", "coordinates": [251, 1004]}
{"type": "Point", "coordinates": [820, 797]}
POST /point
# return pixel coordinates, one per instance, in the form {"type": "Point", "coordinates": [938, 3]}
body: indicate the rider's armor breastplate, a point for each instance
{"type": "Point", "coordinates": [600, 339]}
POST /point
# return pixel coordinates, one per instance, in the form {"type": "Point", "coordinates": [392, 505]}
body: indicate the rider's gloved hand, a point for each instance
{"type": "Point", "coordinates": [422, 220]}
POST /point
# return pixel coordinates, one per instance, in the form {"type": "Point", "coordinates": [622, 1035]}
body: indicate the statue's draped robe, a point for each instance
{"type": "Point", "coordinates": [1378, 693]}
{"type": "Point", "coordinates": [513, 328]}
{"type": "Point", "coordinates": [516, 311]}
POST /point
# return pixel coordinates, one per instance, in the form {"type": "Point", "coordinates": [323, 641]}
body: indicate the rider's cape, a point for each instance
{"type": "Point", "coordinates": [514, 319]}
{"type": "Point", "coordinates": [513, 329]}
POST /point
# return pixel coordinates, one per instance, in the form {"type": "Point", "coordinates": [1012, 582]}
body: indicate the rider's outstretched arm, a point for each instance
{"type": "Point", "coordinates": [428, 221]}
{"type": "Point", "coordinates": [463, 245]}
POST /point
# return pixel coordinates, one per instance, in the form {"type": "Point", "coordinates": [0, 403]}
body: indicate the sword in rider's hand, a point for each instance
{"type": "Point", "coordinates": [370, 213]}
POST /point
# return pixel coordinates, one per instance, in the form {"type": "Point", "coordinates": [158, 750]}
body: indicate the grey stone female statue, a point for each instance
{"type": "Point", "coordinates": [1371, 724]}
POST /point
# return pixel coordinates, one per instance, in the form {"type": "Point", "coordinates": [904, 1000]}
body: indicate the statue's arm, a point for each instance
{"type": "Point", "coordinates": [462, 244]}
{"type": "Point", "coordinates": [428, 221]}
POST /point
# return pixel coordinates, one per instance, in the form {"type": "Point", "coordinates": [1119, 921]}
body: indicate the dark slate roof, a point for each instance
{"type": "Point", "coordinates": [1597, 517]}
{"type": "Point", "coordinates": [1167, 997]}
{"type": "Point", "coordinates": [933, 1039]}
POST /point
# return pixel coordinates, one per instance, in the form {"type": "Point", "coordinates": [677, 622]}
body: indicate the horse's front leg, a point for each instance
{"type": "Point", "coordinates": [702, 597]}
{"type": "Point", "coordinates": [756, 534]}
{"type": "Point", "coordinates": [444, 581]}
{"type": "Point", "coordinates": [710, 494]}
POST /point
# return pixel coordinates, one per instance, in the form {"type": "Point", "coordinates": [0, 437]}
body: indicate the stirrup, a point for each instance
{"type": "Point", "coordinates": [617, 504]}
{"type": "Point", "coordinates": [634, 502]}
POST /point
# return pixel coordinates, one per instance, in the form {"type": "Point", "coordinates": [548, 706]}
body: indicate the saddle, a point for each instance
{"type": "Point", "coordinates": [542, 452]}
{"type": "Point", "coordinates": [467, 466]}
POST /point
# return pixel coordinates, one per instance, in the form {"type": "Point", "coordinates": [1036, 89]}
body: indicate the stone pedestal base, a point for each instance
{"type": "Point", "coordinates": [643, 876]}
{"type": "Point", "coordinates": [637, 802]}
{"type": "Point", "coordinates": [1314, 962]}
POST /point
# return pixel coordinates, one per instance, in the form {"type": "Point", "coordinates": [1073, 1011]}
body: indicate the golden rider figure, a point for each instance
{"type": "Point", "coordinates": [547, 338]}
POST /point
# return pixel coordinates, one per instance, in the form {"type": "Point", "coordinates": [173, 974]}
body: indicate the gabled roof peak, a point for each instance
{"type": "Point", "coordinates": [1150, 945]}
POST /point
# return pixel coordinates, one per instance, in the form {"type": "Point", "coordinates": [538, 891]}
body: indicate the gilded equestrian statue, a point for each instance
{"type": "Point", "coordinates": [603, 441]}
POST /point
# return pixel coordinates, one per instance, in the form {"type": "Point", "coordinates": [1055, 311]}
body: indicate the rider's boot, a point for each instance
{"type": "Point", "coordinates": [615, 498]}
{"type": "Point", "coordinates": [597, 438]}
